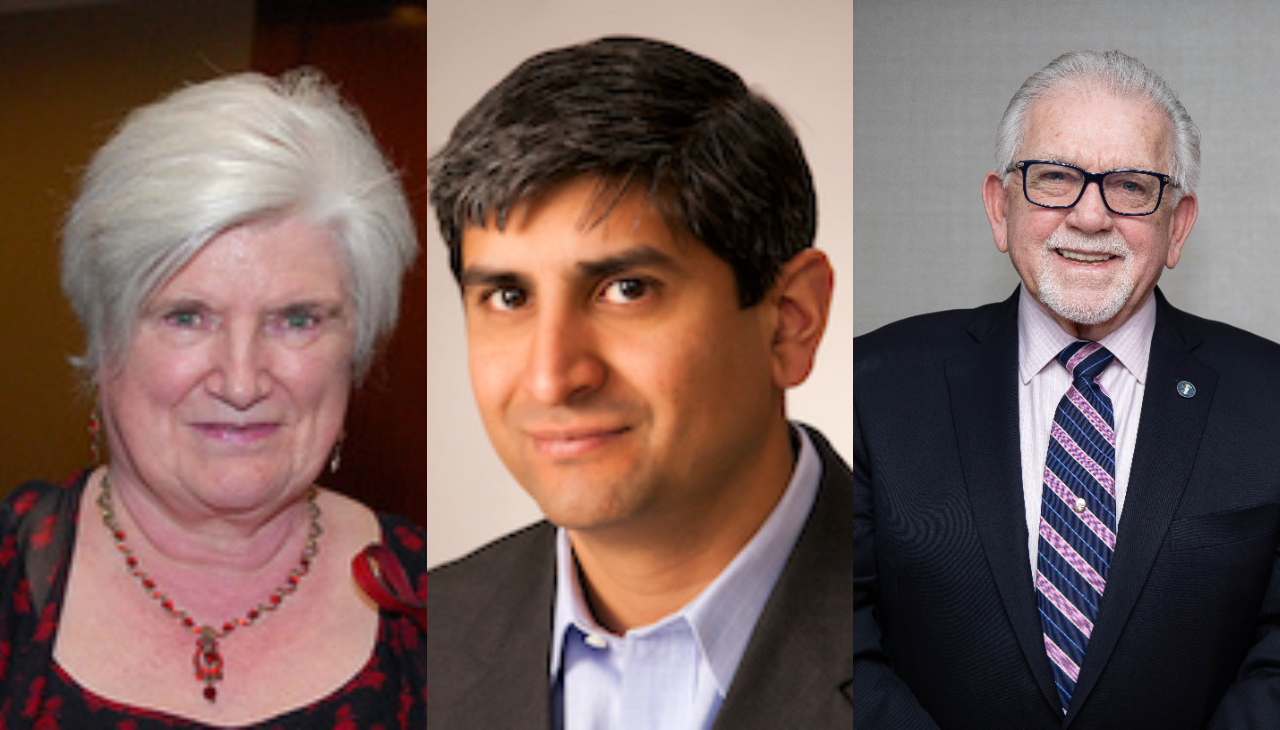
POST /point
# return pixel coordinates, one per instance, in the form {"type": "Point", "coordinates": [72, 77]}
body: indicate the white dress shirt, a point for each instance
{"type": "Point", "coordinates": [1043, 381]}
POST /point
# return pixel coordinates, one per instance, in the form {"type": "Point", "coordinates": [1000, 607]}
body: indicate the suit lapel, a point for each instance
{"type": "Point", "coordinates": [1169, 432]}
{"type": "Point", "coordinates": [798, 666]}
{"type": "Point", "coordinates": [512, 644]}
{"type": "Point", "coordinates": [983, 386]}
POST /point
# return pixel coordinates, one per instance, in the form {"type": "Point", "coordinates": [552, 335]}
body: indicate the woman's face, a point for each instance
{"type": "Point", "coordinates": [233, 391]}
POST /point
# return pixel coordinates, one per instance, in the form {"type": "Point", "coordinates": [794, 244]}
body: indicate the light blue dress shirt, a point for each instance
{"type": "Point", "coordinates": [674, 674]}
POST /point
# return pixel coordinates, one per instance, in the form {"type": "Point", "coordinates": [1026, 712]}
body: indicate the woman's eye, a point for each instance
{"type": "Point", "coordinates": [300, 320]}
{"type": "Point", "coordinates": [184, 319]}
{"type": "Point", "coordinates": [622, 291]}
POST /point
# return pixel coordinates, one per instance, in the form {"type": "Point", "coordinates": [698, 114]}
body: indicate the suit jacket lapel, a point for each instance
{"type": "Point", "coordinates": [798, 666]}
{"type": "Point", "coordinates": [512, 647]}
{"type": "Point", "coordinates": [983, 386]}
{"type": "Point", "coordinates": [1169, 432]}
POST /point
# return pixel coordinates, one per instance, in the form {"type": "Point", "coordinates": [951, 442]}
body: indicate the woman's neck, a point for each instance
{"type": "Point", "coordinates": [214, 566]}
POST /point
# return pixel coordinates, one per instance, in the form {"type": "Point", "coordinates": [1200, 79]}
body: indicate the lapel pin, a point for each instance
{"type": "Point", "coordinates": [1185, 389]}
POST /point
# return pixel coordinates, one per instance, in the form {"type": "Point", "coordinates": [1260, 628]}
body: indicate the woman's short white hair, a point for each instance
{"type": "Point", "coordinates": [216, 155]}
{"type": "Point", "coordinates": [1122, 75]}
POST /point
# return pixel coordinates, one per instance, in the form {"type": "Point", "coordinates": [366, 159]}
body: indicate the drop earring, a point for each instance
{"type": "Point", "coordinates": [95, 437]}
{"type": "Point", "coordinates": [335, 460]}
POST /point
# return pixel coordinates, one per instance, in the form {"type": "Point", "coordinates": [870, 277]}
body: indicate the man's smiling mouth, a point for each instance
{"type": "Point", "coordinates": [1083, 258]}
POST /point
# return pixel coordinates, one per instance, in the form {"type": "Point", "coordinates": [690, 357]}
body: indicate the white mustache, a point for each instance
{"type": "Point", "coordinates": [1109, 243]}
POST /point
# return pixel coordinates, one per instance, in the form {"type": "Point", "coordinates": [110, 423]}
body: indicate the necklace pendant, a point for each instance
{"type": "Point", "coordinates": [208, 662]}
{"type": "Point", "coordinates": [207, 659]}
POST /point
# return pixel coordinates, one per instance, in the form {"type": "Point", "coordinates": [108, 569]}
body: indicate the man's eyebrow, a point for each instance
{"type": "Point", "coordinates": [482, 276]}
{"type": "Point", "coordinates": [638, 257]}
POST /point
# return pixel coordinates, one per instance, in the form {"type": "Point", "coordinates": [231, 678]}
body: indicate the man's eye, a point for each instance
{"type": "Point", "coordinates": [622, 291]}
{"type": "Point", "coordinates": [507, 298]}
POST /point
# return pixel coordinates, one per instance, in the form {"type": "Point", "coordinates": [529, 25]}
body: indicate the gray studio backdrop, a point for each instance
{"type": "Point", "coordinates": [931, 80]}
{"type": "Point", "coordinates": [798, 53]}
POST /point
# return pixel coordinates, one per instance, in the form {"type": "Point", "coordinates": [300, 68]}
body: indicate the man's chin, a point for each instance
{"type": "Point", "coordinates": [1085, 305]}
{"type": "Point", "coordinates": [580, 507]}
{"type": "Point", "coordinates": [1084, 312]}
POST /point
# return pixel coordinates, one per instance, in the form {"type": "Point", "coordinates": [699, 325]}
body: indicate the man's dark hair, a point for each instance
{"type": "Point", "coordinates": [718, 160]}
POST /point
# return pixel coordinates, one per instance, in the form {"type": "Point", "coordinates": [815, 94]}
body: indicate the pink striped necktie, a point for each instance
{"type": "Point", "coordinates": [1077, 514]}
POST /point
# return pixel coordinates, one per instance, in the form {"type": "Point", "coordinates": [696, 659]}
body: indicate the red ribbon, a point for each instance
{"type": "Point", "coordinates": [380, 575]}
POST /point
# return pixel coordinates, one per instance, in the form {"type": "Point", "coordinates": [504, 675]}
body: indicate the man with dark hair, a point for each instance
{"type": "Point", "coordinates": [632, 231]}
{"type": "Point", "coordinates": [1075, 493]}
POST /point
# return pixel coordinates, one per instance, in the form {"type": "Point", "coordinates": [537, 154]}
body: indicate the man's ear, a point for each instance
{"type": "Point", "coordinates": [1184, 217]}
{"type": "Point", "coordinates": [996, 201]}
{"type": "Point", "coordinates": [802, 299]}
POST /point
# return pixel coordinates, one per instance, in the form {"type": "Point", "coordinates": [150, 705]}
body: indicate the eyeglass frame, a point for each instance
{"type": "Point", "coordinates": [1091, 177]}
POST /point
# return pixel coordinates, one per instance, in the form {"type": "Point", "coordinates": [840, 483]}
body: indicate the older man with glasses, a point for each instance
{"type": "Point", "coordinates": [1075, 493]}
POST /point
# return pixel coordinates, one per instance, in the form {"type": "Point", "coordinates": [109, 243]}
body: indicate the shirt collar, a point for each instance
{"type": "Point", "coordinates": [724, 614]}
{"type": "Point", "coordinates": [1040, 339]}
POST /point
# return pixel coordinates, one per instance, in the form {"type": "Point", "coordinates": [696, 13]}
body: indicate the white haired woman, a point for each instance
{"type": "Point", "coordinates": [235, 257]}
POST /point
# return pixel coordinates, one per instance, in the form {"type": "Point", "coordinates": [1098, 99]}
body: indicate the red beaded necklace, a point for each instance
{"type": "Point", "coordinates": [208, 659]}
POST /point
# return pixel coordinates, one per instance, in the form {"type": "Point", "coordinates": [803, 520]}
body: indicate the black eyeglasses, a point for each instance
{"type": "Point", "coordinates": [1058, 185]}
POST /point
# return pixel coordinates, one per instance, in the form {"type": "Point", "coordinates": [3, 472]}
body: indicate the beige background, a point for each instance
{"type": "Point", "coordinates": [797, 53]}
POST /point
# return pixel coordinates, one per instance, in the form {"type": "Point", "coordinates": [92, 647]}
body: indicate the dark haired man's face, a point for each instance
{"type": "Point", "coordinates": [616, 375]}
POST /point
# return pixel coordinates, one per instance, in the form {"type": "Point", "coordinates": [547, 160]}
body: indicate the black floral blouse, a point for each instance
{"type": "Point", "coordinates": [37, 530]}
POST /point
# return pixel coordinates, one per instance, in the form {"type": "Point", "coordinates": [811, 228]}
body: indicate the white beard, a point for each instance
{"type": "Point", "coordinates": [1085, 299]}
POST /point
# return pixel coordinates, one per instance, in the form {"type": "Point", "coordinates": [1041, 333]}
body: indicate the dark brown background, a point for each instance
{"type": "Point", "coordinates": [68, 75]}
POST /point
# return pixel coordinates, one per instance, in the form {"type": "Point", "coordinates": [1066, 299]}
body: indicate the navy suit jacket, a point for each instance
{"type": "Point", "coordinates": [1188, 623]}
{"type": "Point", "coordinates": [489, 621]}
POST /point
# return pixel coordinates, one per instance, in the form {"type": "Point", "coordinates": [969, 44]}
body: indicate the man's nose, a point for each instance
{"type": "Point", "coordinates": [563, 363]}
{"type": "Point", "coordinates": [1090, 213]}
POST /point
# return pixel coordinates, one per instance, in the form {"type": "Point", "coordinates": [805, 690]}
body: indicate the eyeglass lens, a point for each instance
{"type": "Point", "coordinates": [1059, 186]}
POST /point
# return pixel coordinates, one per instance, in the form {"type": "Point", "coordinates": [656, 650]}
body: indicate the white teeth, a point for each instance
{"type": "Point", "coordinates": [1074, 256]}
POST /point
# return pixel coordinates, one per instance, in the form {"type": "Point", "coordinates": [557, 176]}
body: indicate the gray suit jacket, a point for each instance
{"type": "Point", "coordinates": [490, 615]}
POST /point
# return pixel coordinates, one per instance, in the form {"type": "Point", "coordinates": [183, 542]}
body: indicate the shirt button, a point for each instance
{"type": "Point", "coordinates": [596, 642]}
{"type": "Point", "coordinates": [1079, 505]}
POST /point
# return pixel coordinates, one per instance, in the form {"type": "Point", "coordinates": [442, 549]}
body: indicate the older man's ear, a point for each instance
{"type": "Point", "coordinates": [996, 200]}
{"type": "Point", "coordinates": [1184, 218]}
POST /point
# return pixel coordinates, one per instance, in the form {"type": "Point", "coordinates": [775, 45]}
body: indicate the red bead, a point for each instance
{"type": "Point", "coordinates": [253, 614]}
{"type": "Point", "coordinates": [275, 599]}
{"type": "Point", "coordinates": [148, 583]}
{"type": "Point", "coordinates": [210, 693]}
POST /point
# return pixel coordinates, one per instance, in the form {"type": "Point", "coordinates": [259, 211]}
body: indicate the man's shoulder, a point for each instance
{"type": "Point", "coordinates": [924, 339]}
{"type": "Point", "coordinates": [478, 571]}
{"type": "Point", "coordinates": [1216, 332]}
{"type": "Point", "coordinates": [1221, 345]}
{"type": "Point", "coordinates": [489, 629]}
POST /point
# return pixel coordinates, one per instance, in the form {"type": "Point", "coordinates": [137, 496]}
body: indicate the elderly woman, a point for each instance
{"type": "Point", "coordinates": [235, 257]}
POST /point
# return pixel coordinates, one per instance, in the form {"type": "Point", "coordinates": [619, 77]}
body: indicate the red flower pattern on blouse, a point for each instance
{"type": "Point", "coordinates": [389, 692]}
